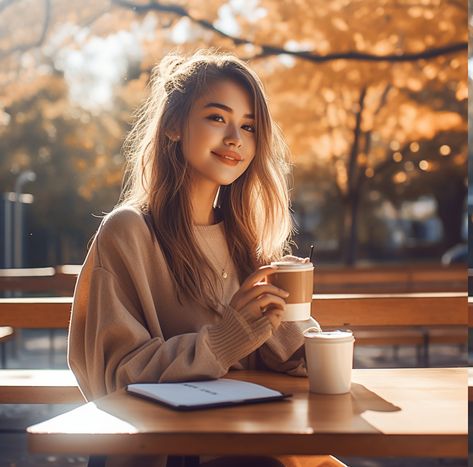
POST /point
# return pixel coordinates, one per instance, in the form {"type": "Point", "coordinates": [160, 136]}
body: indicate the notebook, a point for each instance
{"type": "Point", "coordinates": [194, 395]}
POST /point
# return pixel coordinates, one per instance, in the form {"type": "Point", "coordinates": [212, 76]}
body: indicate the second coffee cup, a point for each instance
{"type": "Point", "coordinates": [297, 279]}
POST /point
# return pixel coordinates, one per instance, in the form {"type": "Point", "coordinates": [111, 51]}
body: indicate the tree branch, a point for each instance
{"type": "Point", "coordinates": [39, 41]}
{"type": "Point", "coordinates": [366, 57]}
{"type": "Point", "coordinates": [268, 50]}
{"type": "Point", "coordinates": [179, 11]}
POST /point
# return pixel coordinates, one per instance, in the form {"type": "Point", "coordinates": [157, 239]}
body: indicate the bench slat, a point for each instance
{"type": "Point", "coordinates": [422, 309]}
{"type": "Point", "coordinates": [39, 387]}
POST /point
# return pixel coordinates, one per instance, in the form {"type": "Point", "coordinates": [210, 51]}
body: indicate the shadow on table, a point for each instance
{"type": "Point", "coordinates": [328, 412]}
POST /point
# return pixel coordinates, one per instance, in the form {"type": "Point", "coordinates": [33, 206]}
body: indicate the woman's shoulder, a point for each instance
{"type": "Point", "coordinates": [124, 222]}
{"type": "Point", "coordinates": [123, 215]}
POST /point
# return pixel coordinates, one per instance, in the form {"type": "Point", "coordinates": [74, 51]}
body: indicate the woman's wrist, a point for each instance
{"type": "Point", "coordinates": [237, 335]}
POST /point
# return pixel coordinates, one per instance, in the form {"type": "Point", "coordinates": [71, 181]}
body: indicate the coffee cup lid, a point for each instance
{"type": "Point", "coordinates": [329, 336]}
{"type": "Point", "coordinates": [292, 265]}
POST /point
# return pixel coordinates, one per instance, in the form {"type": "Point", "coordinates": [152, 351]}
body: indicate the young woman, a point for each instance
{"type": "Point", "coordinates": [173, 287]}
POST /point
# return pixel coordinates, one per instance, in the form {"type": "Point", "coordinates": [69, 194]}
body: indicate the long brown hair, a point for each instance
{"type": "Point", "coordinates": [255, 207]}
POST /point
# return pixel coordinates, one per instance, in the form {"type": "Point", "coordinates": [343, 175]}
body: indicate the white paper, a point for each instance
{"type": "Point", "coordinates": [197, 393]}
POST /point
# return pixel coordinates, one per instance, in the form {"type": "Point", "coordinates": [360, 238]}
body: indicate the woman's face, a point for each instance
{"type": "Point", "coordinates": [219, 141]}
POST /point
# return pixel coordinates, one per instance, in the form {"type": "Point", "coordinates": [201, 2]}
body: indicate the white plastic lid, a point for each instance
{"type": "Point", "coordinates": [292, 266]}
{"type": "Point", "coordinates": [329, 336]}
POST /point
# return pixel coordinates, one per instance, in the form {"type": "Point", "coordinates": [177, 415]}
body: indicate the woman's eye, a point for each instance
{"type": "Point", "coordinates": [216, 118]}
{"type": "Point", "coordinates": [250, 128]}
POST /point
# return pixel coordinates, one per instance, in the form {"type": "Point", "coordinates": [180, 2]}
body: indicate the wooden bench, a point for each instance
{"type": "Point", "coordinates": [377, 279]}
{"type": "Point", "coordinates": [61, 280]}
{"type": "Point", "coordinates": [391, 279]}
{"type": "Point", "coordinates": [53, 281]}
{"type": "Point", "coordinates": [332, 311]}
{"type": "Point", "coordinates": [39, 387]}
{"type": "Point", "coordinates": [383, 318]}
{"type": "Point", "coordinates": [58, 281]}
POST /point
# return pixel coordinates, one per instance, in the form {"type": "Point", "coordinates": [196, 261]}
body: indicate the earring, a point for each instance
{"type": "Point", "coordinates": [174, 139]}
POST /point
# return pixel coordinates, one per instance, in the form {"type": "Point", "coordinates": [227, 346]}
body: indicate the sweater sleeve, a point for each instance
{"type": "Point", "coordinates": [111, 344]}
{"type": "Point", "coordinates": [284, 351]}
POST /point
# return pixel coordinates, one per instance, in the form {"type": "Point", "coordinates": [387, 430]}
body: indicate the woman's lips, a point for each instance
{"type": "Point", "coordinates": [228, 160]}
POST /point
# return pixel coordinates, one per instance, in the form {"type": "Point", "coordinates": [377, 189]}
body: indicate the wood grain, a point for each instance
{"type": "Point", "coordinates": [389, 412]}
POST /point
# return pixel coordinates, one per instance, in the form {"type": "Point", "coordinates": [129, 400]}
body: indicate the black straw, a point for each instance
{"type": "Point", "coordinates": [311, 252]}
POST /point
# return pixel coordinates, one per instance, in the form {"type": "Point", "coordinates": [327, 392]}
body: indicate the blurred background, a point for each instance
{"type": "Point", "coordinates": [371, 95]}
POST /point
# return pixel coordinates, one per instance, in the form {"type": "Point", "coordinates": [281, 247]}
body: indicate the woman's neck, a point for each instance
{"type": "Point", "coordinates": [202, 200]}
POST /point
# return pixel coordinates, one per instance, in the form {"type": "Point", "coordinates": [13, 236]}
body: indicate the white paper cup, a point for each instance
{"type": "Point", "coordinates": [329, 358]}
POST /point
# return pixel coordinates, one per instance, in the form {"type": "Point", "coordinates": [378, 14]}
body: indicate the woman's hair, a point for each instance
{"type": "Point", "coordinates": [255, 207]}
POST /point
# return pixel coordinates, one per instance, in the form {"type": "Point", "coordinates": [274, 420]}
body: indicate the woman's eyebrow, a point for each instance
{"type": "Point", "coordinates": [226, 108]}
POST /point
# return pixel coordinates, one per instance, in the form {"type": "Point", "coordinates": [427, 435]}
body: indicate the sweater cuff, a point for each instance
{"type": "Point", "coordinates": [236, 336]}
{"type": "Point", "coordinates": [286, 340]}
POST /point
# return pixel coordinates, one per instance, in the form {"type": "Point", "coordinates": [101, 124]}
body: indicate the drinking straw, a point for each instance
{"type": "Point", "coordinates": [311, 252]}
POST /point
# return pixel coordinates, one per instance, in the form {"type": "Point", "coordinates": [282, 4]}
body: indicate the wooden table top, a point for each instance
{"type": "Point", "coordinates": [389, 412]}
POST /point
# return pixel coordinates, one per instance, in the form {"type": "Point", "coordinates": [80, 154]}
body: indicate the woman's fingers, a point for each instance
{"type": "Point", "coordinates": [267, 300]}
{"type": "Point", "coordinates": [275, 317]}
{"type": "Point", "coordinates": [266, 305]}
{"type": "Point", "coordinates": [258, 276]}
{"type": "Point", "coordinates": [245, 297]}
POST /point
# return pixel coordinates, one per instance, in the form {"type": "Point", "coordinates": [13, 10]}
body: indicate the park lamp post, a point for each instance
{"type": "Point", "coordinates": [24, 177]}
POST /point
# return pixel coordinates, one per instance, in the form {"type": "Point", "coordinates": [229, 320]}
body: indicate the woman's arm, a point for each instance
{"type": "Point", "coordinates": [110, 345]}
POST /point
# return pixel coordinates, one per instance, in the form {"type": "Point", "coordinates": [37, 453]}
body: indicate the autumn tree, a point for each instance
{"type": "Point", "coordinates": [364, 90]}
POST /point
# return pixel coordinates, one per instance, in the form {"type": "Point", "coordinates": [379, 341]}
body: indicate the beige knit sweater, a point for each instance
{"type": "Point", "coordinates": [127, 325]}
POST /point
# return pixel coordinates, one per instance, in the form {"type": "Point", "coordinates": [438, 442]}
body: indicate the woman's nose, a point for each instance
{"type": "Point", "coordinates": [232, 137]}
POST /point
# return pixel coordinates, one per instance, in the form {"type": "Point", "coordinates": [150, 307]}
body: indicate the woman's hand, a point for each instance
{"type": "Point", "coordinates": [259, 298]}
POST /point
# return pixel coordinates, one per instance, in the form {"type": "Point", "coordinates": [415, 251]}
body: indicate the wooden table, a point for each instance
{"type": "Point", "coordinates": [389, 412]}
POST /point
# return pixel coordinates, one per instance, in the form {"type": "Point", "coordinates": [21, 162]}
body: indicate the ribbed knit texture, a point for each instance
{"type": "Point", "coordinates": [237, 335]}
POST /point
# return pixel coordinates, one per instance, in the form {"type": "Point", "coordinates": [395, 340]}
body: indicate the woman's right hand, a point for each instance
{"type": "Point", "coordinates": [258, 298]}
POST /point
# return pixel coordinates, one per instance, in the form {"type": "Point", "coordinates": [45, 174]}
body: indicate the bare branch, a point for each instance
{"type": "Point", "coordinates": [179, 11]}
{"type": "Point", "coordinates": [268, 50]}
{"type": "Point", "coordinates": [359, 56]}
{"type": "Point", "coordinates": [40, 40]}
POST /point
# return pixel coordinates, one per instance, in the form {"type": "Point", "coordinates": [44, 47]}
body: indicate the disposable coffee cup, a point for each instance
{"type": "Point", "coordinates": [298, 280]}
{"type": "Point", "coordinates": [329, 357]}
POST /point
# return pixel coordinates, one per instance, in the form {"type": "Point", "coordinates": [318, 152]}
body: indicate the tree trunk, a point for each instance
{"type": "Point", "coordinates": [451, 211]}
{"type": "Point", "coordinates": [351, 201]}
